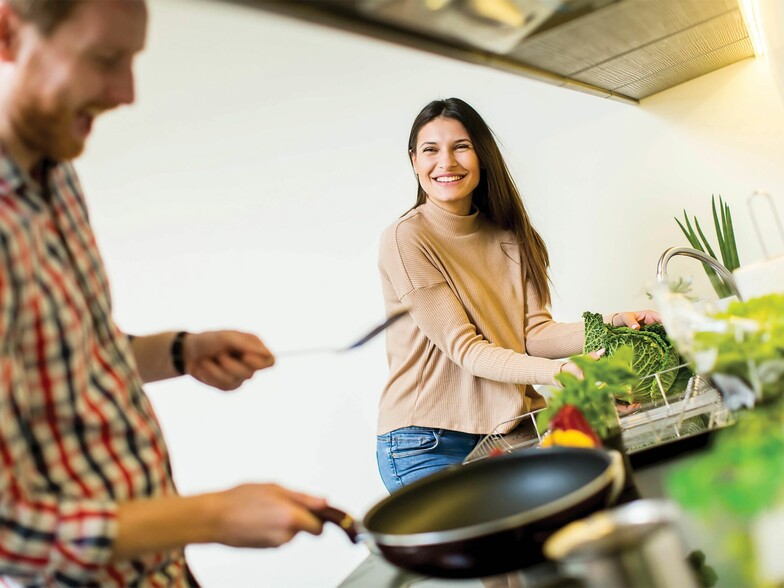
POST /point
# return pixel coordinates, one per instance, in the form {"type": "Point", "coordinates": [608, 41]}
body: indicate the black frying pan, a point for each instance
{"type": "Point", "coordinates": [490, 516]}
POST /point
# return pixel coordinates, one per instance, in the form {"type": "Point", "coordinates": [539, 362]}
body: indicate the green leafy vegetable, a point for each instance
{"type": "Point", "coordinates": [653, 353]}
{"type": "Point", "coordinates": [595, 393]}
{"type": "Point", "coordinates": [748, 342]}
{"type": "Point", "coordinates": [738, 480]}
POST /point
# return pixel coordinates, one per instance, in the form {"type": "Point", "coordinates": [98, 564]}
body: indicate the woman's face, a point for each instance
{"type": "Point", "coordinates": [446, 164]}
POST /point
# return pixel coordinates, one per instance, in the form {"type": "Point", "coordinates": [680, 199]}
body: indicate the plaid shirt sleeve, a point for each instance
{"type": "Point", "coordinates": [53, 537]}
{"type": "Point", "coordinates": [42, 534]}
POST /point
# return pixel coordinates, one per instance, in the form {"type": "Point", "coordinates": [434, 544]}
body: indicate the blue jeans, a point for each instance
{"type": "Point", "coordinates": [408, 454]}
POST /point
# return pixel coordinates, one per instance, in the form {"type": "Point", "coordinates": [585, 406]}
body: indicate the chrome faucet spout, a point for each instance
{"type": "Point", "coordinates": [726, 275]}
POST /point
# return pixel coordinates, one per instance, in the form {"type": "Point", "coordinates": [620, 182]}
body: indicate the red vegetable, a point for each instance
{"type": "Point", "coordinates": [570, 417]}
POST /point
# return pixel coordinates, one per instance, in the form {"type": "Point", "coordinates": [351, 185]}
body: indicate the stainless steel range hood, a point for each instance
{"type": "Point", "coordinates": [620, 49]}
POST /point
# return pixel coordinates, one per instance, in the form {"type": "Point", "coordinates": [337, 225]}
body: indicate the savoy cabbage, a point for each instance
{"type": "Point", "coordinates": [653, 352]}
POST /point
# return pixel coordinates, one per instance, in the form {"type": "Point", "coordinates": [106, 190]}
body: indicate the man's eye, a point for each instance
{"type": "Point", "coordinates": [107, 61]}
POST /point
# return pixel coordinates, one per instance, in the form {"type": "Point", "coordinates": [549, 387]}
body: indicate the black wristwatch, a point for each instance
{"type": "Point", "coordinates": [177, 352]}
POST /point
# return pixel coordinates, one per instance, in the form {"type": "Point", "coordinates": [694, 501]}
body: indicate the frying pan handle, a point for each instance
{"type": "Point", "coordinates": [330, 514]}
{"type": "Point", "coordinates": [617, 474]}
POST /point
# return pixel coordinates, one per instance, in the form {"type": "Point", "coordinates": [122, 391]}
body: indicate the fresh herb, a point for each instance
{"type": "Point", "coordinates": [747, 341]}
{"type": "Point", "coordinates": [725, 234]}
{"type": "Point", "coordinates": [742, 474]}
{"type": "Point", "coordinates": [736, 481]}
{"type": "Point", "coordinates": [594, 395]}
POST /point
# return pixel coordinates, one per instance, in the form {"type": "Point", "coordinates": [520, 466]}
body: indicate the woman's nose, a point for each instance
{"type": "Point", "coordinates": [447, 160]}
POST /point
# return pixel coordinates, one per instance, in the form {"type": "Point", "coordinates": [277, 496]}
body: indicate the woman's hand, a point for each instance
{"type": "Point", "coordinates": [571, 368]}
{"type": "Point", "coordinates": [634, 319]}
{"type": "Point", "coordinates": [626, 409]}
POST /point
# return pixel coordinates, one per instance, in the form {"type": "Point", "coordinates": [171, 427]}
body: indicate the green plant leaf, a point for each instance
{"type": "Point", "coordinates": [719, 234]}
{"type": "Point", "coordinates": [722, 222]}
{"type": "Point", "coordinates": [689, 232]}
{"type": "Point", "coordinates": [730, 235]}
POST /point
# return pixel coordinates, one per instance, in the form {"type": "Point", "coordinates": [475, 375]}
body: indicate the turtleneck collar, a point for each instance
{"type": "Point", "coordinates": [446, 222]}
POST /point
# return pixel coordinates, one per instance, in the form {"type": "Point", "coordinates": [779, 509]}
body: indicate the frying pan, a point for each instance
{"type": "Point", "coordinates": [487, 517]}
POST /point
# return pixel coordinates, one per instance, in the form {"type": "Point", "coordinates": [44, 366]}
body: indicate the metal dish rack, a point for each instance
{"type": "Point", "coordinates": [524, 434]}
{"type": "Point", "coordinates": [699, 408]}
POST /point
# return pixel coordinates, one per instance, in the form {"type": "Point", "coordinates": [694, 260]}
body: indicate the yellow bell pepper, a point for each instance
{"type": "Point", "coordinates": [567, 438]}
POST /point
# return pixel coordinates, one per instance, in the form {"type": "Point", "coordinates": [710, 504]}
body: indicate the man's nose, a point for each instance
{"type": "Point", "coordinates": [121, 89]}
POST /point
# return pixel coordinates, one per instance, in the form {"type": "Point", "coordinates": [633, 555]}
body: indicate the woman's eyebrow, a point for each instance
{"type": "Point", "coordinates": [435, 143]}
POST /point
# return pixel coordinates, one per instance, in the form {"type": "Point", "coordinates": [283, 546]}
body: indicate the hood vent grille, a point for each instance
{"type": "Point", "coordinates": [620, 49]}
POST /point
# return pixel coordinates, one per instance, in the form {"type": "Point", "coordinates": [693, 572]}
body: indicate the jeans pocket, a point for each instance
{"type": "Point", "coordinates": [407, 444]}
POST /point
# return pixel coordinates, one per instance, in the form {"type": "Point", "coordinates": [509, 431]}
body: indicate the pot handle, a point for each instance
{"type": "Point", "coordinates": [617, 474]}
{"type": "Point", "coordinates": [330, 514]}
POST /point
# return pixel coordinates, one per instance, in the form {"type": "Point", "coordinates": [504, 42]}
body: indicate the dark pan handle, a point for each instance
{"type": "Point", "coordinates": [330, 514]}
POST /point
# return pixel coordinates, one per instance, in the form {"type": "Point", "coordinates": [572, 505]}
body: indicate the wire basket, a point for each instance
{"type": "Point", "coordinates": [522, 435]}
{"type": "Point", "coordinates": [697, 409]}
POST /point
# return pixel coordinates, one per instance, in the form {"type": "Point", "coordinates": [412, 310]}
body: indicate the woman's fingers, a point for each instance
{"type": "Point", "coordinates": [597, 354]}
{"type": "Point", "coordinates": [634, 319]}
{"type": "Point", "coordinates": [625, 409]}
{"type": "Point", "coordinates": [572, 368]}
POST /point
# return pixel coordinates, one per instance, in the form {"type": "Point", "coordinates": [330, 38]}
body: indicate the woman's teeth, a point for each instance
{"type": "Point", "coordinates": [449, 179]}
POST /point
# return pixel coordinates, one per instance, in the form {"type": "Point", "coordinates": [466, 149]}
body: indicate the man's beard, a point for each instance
{"type": "Point", "coordinates": [48, 133]}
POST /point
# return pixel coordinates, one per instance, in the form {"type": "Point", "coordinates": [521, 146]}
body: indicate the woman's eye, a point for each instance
{"type": "Point", "coordinates": [429, 150]}
{"type": "Point", "coordinates": [462, 146]}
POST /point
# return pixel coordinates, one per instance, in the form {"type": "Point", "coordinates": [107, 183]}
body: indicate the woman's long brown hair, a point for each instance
{"type": "Point", "coordinates": [496, 196]}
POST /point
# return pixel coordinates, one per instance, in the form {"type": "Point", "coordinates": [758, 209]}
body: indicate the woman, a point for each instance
{"type": "Point", "coordinates": [472, 271]}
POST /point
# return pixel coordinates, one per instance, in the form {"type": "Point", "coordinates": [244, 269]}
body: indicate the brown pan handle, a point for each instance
{"type": "Point", "coordinates": [330, 514]}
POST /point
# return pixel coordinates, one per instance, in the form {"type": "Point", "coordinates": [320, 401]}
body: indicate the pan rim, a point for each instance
{"type": "Point", "coordinates": [604, 478]}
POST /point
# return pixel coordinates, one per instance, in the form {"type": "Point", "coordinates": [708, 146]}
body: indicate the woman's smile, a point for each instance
{"type": "Point", "coordinates": [446, 164]}
{"type": "Point", "coordinates": [451, 179]}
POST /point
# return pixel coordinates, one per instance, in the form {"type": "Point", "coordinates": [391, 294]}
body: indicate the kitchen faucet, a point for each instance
{"type": "Point", "coordinates": [726, 275]}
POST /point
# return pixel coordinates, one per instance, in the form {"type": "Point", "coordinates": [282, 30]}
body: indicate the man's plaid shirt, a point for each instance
{"type": "Point", "coordinates": [77, 433]}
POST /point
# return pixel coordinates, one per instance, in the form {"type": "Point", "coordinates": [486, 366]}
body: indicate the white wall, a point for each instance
{"type": "Point", "coordinates": [248, 187]}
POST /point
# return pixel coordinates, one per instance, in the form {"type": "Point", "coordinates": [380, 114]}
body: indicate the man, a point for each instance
{"type": "Point", "coordinates": [86, 493]}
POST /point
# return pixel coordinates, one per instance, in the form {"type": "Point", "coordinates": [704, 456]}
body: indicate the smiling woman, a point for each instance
{"type": "Point", "coordinates": [446, 164]}
{"type": "Point", "coordinates": [472, 271]}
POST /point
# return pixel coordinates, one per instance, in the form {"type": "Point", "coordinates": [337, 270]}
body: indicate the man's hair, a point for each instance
{"type": "Point", "coordinates": [46, 15]}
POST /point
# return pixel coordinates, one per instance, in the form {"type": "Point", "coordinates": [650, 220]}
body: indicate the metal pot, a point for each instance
{"type": "Point", "coordinates": [490, 516]}
{"type": "Point", "coordinates": [637, 544]}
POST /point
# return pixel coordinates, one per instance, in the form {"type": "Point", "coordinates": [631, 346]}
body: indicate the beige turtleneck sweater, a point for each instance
{"type": "Point", "coordinates": [475, 338]}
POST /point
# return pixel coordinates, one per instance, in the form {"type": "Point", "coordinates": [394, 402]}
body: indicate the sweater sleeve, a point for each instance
{"type": "Point", "coordinates": [413, 273]}
{"type": "Point", "coordinates": [439, 315]}
{"type": "Point", "coordinates": [545, 337]}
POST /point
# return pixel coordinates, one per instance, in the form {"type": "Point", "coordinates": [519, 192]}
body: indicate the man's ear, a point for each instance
{"type": "Point", "coordinates": [9, 32]}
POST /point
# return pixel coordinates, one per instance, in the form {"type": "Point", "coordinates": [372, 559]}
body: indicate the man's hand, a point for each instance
{"type": "Point", "coordinates": [225, 359]}
{"type": "Point", "coordinates": [265, 515]}
{"type": "Point", "coordinates": [251, 515]}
